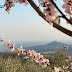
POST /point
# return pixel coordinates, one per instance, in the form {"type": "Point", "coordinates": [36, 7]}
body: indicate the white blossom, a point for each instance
{"type": "Point", "coordinates": [50, 13]}
{"type": "Point", "coordinates": [20, 50]}
{"type": "Point", "coordinates": [12, 48]}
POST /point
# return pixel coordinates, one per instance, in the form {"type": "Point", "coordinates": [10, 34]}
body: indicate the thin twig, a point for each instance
{"type": "Point", "coordinates": [2, 6]}
{"type": "Point", "coordinates": [61, 12]}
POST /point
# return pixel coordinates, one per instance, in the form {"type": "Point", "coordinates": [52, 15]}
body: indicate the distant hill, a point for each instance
{"type": "Point", "coordinates": [53, 46]}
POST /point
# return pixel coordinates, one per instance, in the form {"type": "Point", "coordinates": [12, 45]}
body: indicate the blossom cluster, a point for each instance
{"type": "Point", "coordinates": [59, 69]}
{"type": "Point", "coordinates": [36, 57]}
{"type": "Point", "coordinates": [68, 6]}
{"type": "Point", "coordinates": [44, 3]}
{"type": "Point", "coordinates": [11, 3]}
{"type": "Point", "coordinates": [49, 11]}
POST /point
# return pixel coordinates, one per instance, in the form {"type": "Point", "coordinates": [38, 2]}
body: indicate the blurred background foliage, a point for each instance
{"type": "Point", "coordinates": [10, 62]}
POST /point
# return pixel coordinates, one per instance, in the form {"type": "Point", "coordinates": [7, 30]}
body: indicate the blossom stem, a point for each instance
{"type": "Point", "coordinates": [2, 6]}
{"type": "Point", "coordinates": [61, 12]}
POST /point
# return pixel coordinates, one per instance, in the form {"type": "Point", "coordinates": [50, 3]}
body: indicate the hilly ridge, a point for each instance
{"type": "Point", "coordinates": [53, 46]}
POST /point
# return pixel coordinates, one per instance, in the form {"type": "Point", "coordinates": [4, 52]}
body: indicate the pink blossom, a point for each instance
{"type": "Point", "coordinates": [9, 3]}
{"type": "Point", "coordinates": [37, 58]}
{"type": "Point", "coordinates": [59, 69]}
{"type": "Point", "coordinates": [47, 61]}
{"type": "Point", "coordinates": [26, 54]}
{"type": "Point", "coordinates": [12, 48]}
{"type": "Point", "coordinates": [20, 50]}
{"type": "Point", "coordinates": [8, 10]}
{"type": "Point", "coordinates": [66, 58]}
{"type": "Point", "coordinates": [29, 53]}
{"type": "Point", "coordinates": [68, 6]}
{"type": "Point", "coordinates": [40, 58]}
{"type": "Point", "coordinates": [50, 13]}
{"type": "Point", "coordinates": [43, 64]}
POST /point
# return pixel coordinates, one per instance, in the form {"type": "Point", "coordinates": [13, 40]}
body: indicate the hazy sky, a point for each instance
{"type": "Point", "coordinates": [24, 24]}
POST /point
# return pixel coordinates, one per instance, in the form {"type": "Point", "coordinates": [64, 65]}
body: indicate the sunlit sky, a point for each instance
{"type": "Point", "coordinates": [24, 24]}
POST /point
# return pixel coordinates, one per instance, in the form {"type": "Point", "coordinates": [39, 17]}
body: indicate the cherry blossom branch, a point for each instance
{"type": "Point", "coordinates": [37, 9]}
{"type": "Point", "coordinates": [36, 57]}
{"type": "Point", "coordinates": [61, 13]}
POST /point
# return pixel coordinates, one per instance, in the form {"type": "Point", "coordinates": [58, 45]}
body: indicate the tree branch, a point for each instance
{"type": "Point", "coordinates": [62, 29]}
{"type": "Point", "coordinates": [2, 6]}
{"type": "Point", "coordinates": [61, 13]}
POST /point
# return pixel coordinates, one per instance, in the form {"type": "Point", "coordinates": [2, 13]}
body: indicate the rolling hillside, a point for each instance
{"type": "Point", "coordinates": [53, 46]}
